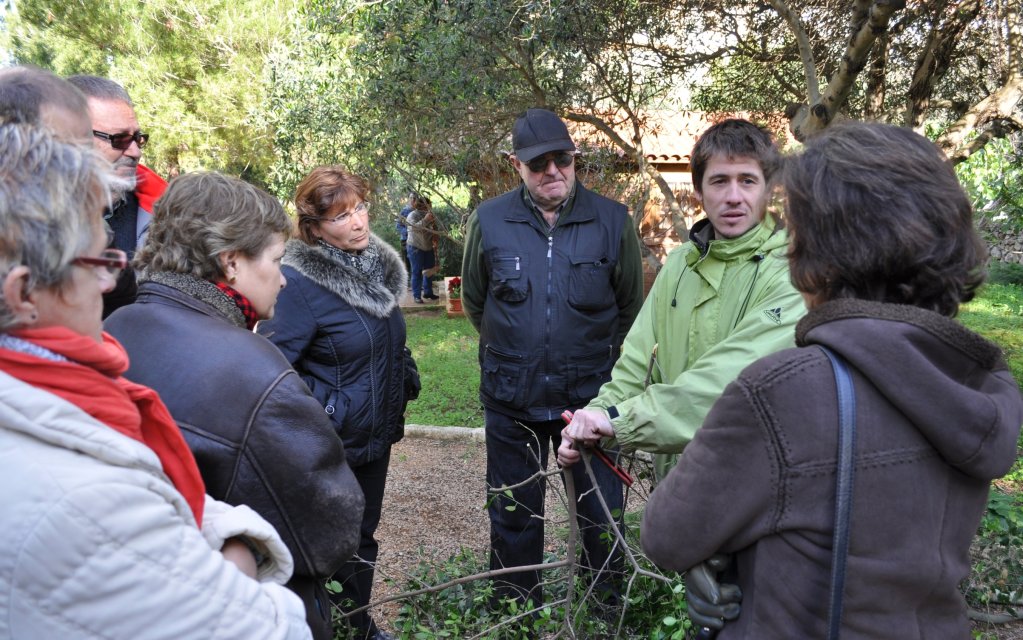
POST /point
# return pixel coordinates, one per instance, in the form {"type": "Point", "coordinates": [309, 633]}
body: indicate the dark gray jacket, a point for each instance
{"type": "Point", "coordinates": [551, 326]}
{"type": "Point", "coordinates": [258, 435]}
{"type": "Point", "coordinates": [938, 415]}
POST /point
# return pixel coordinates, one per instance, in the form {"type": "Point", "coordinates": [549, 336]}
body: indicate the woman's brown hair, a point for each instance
{"type": "Point", "coordinates": [875, 212]}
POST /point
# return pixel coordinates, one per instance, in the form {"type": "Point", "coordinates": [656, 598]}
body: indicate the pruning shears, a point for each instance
{"type": "Point", "coordinates": [622, 474]}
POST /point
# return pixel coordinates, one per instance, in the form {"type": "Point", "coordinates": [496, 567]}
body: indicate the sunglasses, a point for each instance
{"type": "Point", "coordinates": [121, 141]}
{"type": "Point", "coordinates": [114, 261]}
{"type": "Point", "coordinates": [561, 160]}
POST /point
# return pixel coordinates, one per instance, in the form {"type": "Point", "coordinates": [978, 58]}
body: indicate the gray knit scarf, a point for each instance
{"type": "Point", "coordinates": [367, 262]}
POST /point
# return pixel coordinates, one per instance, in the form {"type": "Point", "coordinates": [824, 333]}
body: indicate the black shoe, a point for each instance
{"type": "Point", "coordinates": [431, 296]}
{"type": "Point", "coordinates": [418, 300]}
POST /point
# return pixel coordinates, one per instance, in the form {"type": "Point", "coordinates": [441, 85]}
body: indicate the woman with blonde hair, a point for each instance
{"type": "Point", "coordinates": [338, 322]}
{"type": "Point", "coordinates": [209, 271]}
{"type": "Point", "coordinates": [101, 499]}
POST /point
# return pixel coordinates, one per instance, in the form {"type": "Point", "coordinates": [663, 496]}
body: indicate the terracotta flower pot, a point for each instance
{"type": "Point", "coordinates": [455, 308]}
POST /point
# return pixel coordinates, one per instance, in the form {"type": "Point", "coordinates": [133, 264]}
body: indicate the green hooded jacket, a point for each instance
{"type": "Point", "coordinates": [715, 307]}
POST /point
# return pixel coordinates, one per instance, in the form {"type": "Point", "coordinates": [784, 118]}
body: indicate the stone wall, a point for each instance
{"type": "Point", "coordinates": [1004, 243]}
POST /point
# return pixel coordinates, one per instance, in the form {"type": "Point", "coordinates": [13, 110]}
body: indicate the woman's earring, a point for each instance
{"type": "Point", "coordinates": [34, 316]}
{"type": "Point", "coordinates": [232, 279]}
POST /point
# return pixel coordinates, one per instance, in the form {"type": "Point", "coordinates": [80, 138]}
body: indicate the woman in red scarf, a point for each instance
{"type": "Point", "coordinates": [101, 499]}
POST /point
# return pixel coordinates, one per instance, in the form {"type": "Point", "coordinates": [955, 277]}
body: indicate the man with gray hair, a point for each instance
{"type": "Point", "coordinates": [33, 96]}
{"type": "Point", "coordinates": [117, 137]}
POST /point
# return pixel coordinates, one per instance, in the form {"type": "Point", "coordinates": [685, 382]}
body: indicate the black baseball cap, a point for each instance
{"type": "Point", "coordinates": [539, 131]}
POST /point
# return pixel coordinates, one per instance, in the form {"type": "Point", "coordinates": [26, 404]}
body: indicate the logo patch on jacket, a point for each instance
{"type": "Point", "coordinates": [774, 315]}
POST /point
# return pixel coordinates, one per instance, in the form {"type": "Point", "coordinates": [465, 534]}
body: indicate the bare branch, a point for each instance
{"type": "Point", "coordinates": [999, 105]}
{"type": "Point", "coordinates": [813, 87]}
{"type": "Point", "coordinates": [935, 58]}
{"type": "Point", "coordinates": [816, 117]}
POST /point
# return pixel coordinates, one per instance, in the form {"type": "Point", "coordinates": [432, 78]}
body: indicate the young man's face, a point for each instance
{"type": "Point", "coordinates": [734, 194]}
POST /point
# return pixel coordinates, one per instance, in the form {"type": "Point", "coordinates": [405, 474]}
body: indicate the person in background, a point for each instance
{"type": "Point", "coordinates": [422, 245]}
{"type": "Point", "coordinates": [209, 271]}
{"type": "Point", "coordinates": [402, 229]}
{"type": "Point", "coordinates": [884, 251]}
{"type": "Point", "coordinates": [339, 324]}
{"type": "Point", "coordinates": [117, 137]}
{"type": "Point", "coordinates": [101, 499]}
{"type": "Point", "coordinates": [552, 278]}
{"type": "Point", "coordinates": [33, 96]}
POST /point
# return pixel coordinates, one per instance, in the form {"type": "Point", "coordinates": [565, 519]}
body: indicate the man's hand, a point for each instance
{"type": "Point", "coordinates": [711, 603]}
{"type": "Point", "coordinates": [587, 428]}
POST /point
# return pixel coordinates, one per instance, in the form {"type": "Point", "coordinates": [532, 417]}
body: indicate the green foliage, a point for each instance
{"type": "Point", "coordinates": [194, 70]}
{"type": "Point", "coordinates": [655, 609]}
{"type": "Point", "coordinates": [997, 576]}
{"type": "Point", "coordinates": [993, 177]}
{"type": "Point", "coordinates": [996, 314]}
{"type": "Point", "coordinates": [1005, 273]}
{"type": "Point", "coordinates": [445, 352]}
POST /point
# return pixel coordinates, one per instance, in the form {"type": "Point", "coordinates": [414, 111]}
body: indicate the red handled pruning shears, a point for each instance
{"type": "Point", "coordinates": [603, 457]}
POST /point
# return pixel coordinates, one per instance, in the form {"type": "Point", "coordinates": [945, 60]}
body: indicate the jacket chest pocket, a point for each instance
{"type": "Point", "coordinates": [508, 281]}
{"type": "Point", "coordinates": [590, 283]}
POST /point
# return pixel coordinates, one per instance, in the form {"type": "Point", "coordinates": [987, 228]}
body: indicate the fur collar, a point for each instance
{"type": "Point", "coordinates": [375, 298]}
{"type": "Point", "coordinates": [201, 290]}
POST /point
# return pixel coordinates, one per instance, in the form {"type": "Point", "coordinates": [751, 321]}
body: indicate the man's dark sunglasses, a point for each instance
{"type": "Point", "coordinates": [122, 141]}
{"type": "Point", "coordinates": [561, 160]}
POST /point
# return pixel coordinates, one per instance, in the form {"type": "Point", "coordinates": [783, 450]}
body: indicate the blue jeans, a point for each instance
{"type": "Point", "coordinates": [515, 451]}
{"type": "Point", "coordinates": [420, 260]}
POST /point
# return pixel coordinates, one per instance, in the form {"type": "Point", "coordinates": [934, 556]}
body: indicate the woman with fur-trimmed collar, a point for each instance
{"type": "Point", "coordinates": [338, 322]}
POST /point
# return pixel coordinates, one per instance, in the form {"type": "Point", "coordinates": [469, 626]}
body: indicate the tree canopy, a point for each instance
{"type": "Point", "coordinates": [425, 90]}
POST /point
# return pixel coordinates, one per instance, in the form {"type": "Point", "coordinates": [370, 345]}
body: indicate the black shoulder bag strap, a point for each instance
{"type": "Point", "coordinates": [843, 487]}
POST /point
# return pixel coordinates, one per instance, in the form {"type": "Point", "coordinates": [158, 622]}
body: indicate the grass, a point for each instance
{"type": "Point", "coordinates": [445, 352]}
{"type": "Point", "coordinates": [997, 314]}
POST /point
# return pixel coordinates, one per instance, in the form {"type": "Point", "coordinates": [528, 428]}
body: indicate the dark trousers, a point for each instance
{"type": "Point", "coordinates": [420, 260]}
{"type": "Point", "coordinates": [515, 451]}
{"type": "Point", "coordinates": [404, 257]}
{"type": "Point", "coordinates": [356, 575]}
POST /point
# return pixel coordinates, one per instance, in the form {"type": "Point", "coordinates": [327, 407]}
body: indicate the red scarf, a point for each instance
{"type": "Point", "coordinates": [92, 381]}
{"type": "Point", "coordinates": [242, 303]}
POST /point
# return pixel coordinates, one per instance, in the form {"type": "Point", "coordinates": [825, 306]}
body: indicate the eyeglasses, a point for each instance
{"type": "Point", "coordinates": [561, 160]}
{"type": "Point", "coordinates": [114, 261]}
{"type": "Point", "coordinates": [344, 218]}
{"type": "Point", "coordinates": [121, 141]}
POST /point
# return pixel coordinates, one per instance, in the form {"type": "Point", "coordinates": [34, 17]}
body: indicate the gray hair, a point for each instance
{"type": "Point", "coordinates": [100, 88]}
{"type": "Point", "coordinates": [205, 214]}
{"type": "Point", "coordinates": [24, 91]}
{"type": "Point", "coordinates": [51, 193]}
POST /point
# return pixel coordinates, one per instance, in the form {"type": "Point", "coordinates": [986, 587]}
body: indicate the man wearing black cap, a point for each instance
{"type": "Point", "coordinates": [552, 280]}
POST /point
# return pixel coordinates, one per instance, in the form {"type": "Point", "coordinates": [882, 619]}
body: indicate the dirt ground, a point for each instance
{"type": "Point", "coordinates": [434, 505]}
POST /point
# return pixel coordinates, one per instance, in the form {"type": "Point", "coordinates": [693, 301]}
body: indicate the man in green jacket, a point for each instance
{"type": "Point", "coordinates": [721, 301]}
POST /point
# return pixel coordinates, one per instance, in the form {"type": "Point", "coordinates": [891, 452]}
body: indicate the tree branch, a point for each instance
{"type": "Point", "coordinates": [809, 120]}
{"type": "Point", "coordinates": [813, 87]}
{"type": "Point", "coordinates": [999, 105]}
{"type": "Point", "coordinates": [935, 58]}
